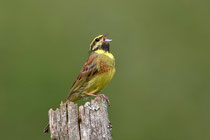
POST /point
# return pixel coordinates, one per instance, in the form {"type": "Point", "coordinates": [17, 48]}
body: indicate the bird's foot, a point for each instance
{"type": "Point", "coordinates": [100, 95]}
{"type": "Point", "coordinates": [104, 97]}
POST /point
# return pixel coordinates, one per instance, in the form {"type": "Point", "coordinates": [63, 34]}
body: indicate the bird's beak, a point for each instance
{"type": "Point", "coordinates": [108, 40]}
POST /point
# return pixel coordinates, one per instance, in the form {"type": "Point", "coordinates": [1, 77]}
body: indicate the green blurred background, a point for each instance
{"type": "Point", "coordinates": [161, 90]}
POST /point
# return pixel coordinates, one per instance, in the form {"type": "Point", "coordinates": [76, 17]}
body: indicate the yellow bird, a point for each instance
{"type": "Point", "coordinates": [96, 73]}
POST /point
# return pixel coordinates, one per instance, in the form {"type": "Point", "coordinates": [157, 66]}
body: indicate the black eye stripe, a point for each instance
{"type": "Point", "coordinates": [94, 43]}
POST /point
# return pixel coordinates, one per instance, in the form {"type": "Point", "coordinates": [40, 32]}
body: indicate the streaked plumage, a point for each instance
{"type": "Point", "coordinates": [97, 71]}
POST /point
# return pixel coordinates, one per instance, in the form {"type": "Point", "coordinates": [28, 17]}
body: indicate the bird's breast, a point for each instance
{"type": "Point", "coordinates": [106, 61]}
{"type": "Point", "coordinates": [100, 81]}
{"type": "Point", "coordinates": [106, 70]}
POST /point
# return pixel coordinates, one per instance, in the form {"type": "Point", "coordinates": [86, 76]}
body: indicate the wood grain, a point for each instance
{"type": "Point", "coordinates": [88, 122]}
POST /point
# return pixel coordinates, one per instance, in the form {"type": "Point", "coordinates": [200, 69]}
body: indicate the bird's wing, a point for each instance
{"type": "Point", "coordinates": [88, 71]}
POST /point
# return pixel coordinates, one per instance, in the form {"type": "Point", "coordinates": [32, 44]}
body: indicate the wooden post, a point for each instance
{"type": "Point", "coordinates": [89, 122]}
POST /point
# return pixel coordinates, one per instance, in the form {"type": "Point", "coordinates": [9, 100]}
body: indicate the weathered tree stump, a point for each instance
{"type": "Point", "coordinates": [89, 122]}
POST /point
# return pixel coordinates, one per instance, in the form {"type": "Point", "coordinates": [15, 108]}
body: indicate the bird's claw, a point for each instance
{"type": "Point", "coordinates": [104, 97]}
{"type": "Point", "coordinates": [100, 95]}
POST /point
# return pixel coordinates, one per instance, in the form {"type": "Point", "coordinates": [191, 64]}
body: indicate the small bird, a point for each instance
{"type": "Point", "coordinates": [96, 73]}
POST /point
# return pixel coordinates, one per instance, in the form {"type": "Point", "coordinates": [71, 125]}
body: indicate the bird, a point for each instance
{"type": "Point", "coordinates": [96, 73]}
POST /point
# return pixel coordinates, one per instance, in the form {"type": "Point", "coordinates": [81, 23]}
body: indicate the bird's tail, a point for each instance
{"type": "Point", "coordinates": [73, 97]}
{"type": "Point", "coordinates": [47, 128]}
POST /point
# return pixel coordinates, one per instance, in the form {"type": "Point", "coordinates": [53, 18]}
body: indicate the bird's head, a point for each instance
{"type": "Point", "coordinates": [100, 43]}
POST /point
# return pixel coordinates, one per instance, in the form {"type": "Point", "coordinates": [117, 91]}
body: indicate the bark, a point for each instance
{"type": "Point", "coordinates": [88, 122]}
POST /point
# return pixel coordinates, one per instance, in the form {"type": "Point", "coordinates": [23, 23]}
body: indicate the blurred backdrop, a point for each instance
{"type": "Point", "coordinates": [161, 90]}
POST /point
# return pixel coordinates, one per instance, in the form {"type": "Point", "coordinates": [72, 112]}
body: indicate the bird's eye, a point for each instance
{"type": "Point", "coordinates": [96, 39]}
